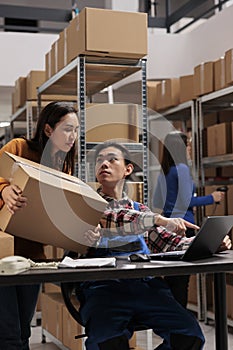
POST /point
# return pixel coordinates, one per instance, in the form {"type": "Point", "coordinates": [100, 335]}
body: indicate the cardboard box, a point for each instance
{"type": "Point", "coordinates": [229, 67]}
{"type": "Point", "coordinates": [151, 94]}
{"type": "Point", "coordinates": [186, 88]}
{"type": "Point", "coordinates": [219, 74]}
{"type": "Point", "coordinates": [112, 121]}
{"type": "Point", "coordinates": [226, 171]}
{"type": "Point", "coordinates": [168, 93]}
{"type": "Point", "coordinates": [62, 50]}
{"type": "Point", "coordinates": [60, 207]}
{"type": "Point", "coordinates": [20, 92]}
{"type": "Point", "coordinates": [71, 328]}
{"type": "Point", "coordinates": [52, 306]}
{"type": "Point", "coordinates": [229, 200]}
{"type": "Point", "coordinates": [34, 79]}
{"type": "Point", "coordinates": [54, 57]}
{"type": "Point", "coordinates": [13, 103]}
{"type": "Point", "coordinates": [203, 80]}
{"type": "Point", "coordinates": [219, 139]}
{"type": "Point", "coordinates": [102, 32]}
{"type": "Point", "coordinates": [48, 65]}
{"type": "Point", "coordinates": [6, 245]}
{"type": "Point", "coordinates": [192, 290]}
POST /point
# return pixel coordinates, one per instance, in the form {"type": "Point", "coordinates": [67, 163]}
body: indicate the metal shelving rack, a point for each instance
{"type": "Point", "coordinates": [28, 114]}
{"type": "Point", "coordinates": [87, 75]}
{"type": "Point", "coordinates": [182, 112]}
{"type": "Point", "coordinates": [213, 102]}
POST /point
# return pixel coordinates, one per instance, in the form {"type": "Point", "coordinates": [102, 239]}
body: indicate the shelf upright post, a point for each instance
{"type": "Point", "coordinates": [81, 95]}
{"type": "Point", "coordinates": [29, 119]}
{"type": "Point", "coordinates": [144, 133]}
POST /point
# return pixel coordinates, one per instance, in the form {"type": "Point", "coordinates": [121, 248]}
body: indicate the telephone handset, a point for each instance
{"type": "Point", "coordinates": [12, 265]}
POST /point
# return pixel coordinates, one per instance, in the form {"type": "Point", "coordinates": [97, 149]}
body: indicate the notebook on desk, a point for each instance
{"type": "Point", "coordinates": [205, 243]}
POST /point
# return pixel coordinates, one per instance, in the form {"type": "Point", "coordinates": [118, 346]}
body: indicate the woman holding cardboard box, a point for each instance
{"type": "Point", "coordinates": [53, 145]}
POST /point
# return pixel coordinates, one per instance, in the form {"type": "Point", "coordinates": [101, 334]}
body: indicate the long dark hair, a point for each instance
{"type": "Point", "coordinates": [51, 115]}
{"type": "Point", "coordinates": [174, 150]}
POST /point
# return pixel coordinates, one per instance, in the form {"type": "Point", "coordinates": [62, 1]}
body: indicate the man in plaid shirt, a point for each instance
{"type": "Point", "coordinates": [109, 307]}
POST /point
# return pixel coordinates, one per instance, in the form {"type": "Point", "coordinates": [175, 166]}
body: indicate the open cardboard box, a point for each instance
{"type": "Point", "coordinates": [60, 207]}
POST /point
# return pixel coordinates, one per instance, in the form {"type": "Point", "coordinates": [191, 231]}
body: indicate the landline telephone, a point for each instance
{"type": "Point", "coordinates": [12, 265]}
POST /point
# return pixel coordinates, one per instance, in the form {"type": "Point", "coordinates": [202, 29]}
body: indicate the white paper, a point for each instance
{"type": "Point", "coordinates": [94, 262]}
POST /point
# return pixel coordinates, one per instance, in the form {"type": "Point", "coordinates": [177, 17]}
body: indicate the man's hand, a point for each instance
{"type": "Point", "coordinates": [13, 198]}
{"type": "Point", "coordinates": [176, 225]}
{"type": "Point", "coordinates": [92, 237]}
{"type": "Point", "coordinates": [225, 245]}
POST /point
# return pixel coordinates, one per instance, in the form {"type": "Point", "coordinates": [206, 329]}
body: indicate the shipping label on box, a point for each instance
{"type": "Point", "coordinates": [60, 207]}
{"type": "Point", "coordinates": [125, 36]}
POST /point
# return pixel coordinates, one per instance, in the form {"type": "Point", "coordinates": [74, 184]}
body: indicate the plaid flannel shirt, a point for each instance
{"type": "Point", "coordinates": [120, 218]}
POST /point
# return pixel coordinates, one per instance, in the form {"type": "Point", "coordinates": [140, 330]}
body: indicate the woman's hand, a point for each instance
{"type": "Point", "coordinates": [92, 237]}
{"type": "Point", "coordinates": [218, 196]}
{"type": "Point", "coordinates": [13, 198]}
{"type": "Point", "coordinates": [176, 225]}
{"type": "Point", "coordinates": [225, 245]}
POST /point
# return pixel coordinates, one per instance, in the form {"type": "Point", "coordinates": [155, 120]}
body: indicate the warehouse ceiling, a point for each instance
{"type": "Point", "coordinates": [49, 16]}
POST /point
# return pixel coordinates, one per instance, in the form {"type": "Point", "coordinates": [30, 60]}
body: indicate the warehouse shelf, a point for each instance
{"type": "Point", "coordinates": [88, 75]}
{"type": "Point", "coordinates": [218, 161]}
{"type": "Point", "coordinates": [101, 73]}
{"type": "Point", "coordinates": [183, 112]}
{"type": "Point", "coordinates": [132, 147]}
{"type": "Point", "coordinates": [210, 103]}
{"type": "Point", "coordinates": [217, 100]}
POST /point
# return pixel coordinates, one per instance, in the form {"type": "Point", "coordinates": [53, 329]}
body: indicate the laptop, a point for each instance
{"type": "Point", "coordinates": [205, 243]}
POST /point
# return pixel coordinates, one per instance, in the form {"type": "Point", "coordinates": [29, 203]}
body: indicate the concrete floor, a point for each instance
{"type": "Point", "coordinates": [142, 344]}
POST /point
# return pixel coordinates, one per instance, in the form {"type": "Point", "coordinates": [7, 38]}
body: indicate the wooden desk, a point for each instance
{"type": "Point", "coordinates": [218, 264]}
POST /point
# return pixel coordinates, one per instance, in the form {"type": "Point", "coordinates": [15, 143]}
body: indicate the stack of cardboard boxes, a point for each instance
{"type": "Point", "coordinates": [207, 77]}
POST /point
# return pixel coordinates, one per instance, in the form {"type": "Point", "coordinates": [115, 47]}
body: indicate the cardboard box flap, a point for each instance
{"type": "Point", "coordinates": [45, 174]}
{"type": "Point", "coordinates": [59, 210]}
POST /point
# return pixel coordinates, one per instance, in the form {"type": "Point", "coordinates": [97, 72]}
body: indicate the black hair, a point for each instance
{"type": "Point", "coordinates": [174, 150]}
{"type": "Point", "coordinates": [124, 151]}
{"type": "Point", "coordinates": [52, 114]}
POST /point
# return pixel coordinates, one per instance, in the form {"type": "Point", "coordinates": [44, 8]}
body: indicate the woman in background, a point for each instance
{"type": "Point", "coordinates": [54, 146]}
{"type": "Point", "coordinates": [175, 196]}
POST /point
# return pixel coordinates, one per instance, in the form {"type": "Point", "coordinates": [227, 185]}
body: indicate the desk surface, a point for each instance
{"type": "Point", "coordinates": [219, 263]}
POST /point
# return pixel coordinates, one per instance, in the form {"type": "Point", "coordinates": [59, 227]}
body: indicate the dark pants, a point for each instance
{"type": "Point", "coordinates": [17, 307]}
{"type": "Point", "coordinates": [110, 306]}
{"type": "Point", "coordinates": [179, 284]}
